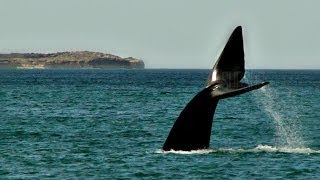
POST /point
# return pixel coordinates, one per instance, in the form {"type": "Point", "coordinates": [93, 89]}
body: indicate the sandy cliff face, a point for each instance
{"type": "Point", "coordinates": [79, 59]}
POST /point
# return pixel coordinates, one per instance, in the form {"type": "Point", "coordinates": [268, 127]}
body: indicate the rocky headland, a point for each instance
{"type": "Point", "coordinates": [77, 59]}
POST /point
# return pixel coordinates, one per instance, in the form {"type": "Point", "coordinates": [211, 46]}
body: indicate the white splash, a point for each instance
{"type": "Point", "coordinates": [200, 151]}
{"type": "Point", "coordinates": [267, 148]}
{"type": "Point", "coordinates": [258, 149]}
{"type": "Point", "coordinates": [271, 149]}
{"type": "Point", "coordinates": [284, 116]}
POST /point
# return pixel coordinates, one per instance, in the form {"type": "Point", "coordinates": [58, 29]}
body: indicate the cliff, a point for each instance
{"type": "Point", "coordinates": [78, 59]}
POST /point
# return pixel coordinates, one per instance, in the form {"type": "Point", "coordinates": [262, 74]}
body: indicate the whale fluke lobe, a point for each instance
{"type": "Point", "coordinates": [192, 129]}
{"type": "Point", "coordinates": [230, 64]}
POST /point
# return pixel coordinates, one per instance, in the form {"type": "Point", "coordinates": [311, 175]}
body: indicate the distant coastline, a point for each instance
{"type": "Point", "coordinates": [77, 59]}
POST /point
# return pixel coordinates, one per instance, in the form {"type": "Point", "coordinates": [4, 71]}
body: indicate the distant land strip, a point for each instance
{"type": "Point", "coordinates": [76, 59]}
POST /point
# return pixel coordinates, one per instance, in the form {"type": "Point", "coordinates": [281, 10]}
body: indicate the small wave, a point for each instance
{"type": "Point", "coordinates": [258, 149]}
{"type": "Point", "coordinates": [271, 149]}
{"type": "Point", "coordinates": [301, 150]}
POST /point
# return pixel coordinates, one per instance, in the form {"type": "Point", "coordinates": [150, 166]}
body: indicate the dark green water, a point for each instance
{"type": "Point", "coordinates": [104, 124]}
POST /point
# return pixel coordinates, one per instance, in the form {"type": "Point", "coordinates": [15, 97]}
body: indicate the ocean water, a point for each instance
{"type": "Point", "coordinates": [106, 124]}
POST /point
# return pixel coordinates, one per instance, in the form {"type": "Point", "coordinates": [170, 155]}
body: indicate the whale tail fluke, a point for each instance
{"type": "Point", "coordinates": [230, 69]}
{"type": "Point", "coordinates": [230, 65]}
{"type": "Point", "coordinates": [192, 129]}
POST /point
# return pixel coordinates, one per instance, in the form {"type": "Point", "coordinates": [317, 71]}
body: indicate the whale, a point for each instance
{"type": "Point", "coordinates": [192, 129]}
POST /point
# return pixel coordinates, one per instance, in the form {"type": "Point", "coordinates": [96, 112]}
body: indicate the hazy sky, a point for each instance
{"type": "Point", "coordinates": [167, 33]}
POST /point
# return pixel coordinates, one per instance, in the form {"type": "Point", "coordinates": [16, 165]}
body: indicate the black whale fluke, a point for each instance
{"type": "Point", "coordinates": [230, 65]}
{"type": "Point", "coordinates": [192, 129]}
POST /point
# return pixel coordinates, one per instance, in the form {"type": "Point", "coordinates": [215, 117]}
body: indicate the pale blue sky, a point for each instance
{"type": "Point", "coordinates": [167, 33]}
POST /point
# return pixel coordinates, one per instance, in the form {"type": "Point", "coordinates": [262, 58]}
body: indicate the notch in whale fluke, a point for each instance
{"type": "Point", "coordinates": [230, 65]}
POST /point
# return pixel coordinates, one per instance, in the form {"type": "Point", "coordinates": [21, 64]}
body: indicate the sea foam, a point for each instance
{"type": "Point", "coordinates": [257, 149]}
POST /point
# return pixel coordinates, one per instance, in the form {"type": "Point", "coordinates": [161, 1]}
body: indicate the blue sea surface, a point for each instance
{"type": "Point", "coordinates": [106, 124]}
